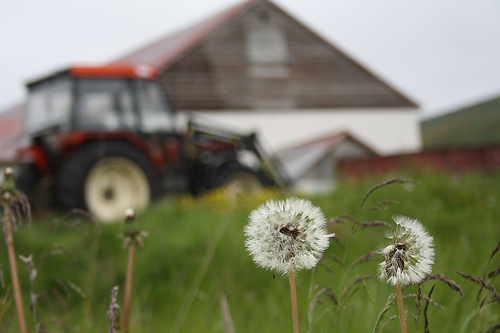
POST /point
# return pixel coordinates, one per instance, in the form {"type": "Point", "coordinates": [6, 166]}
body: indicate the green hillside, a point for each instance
{"type": "Point", "coordinates": [471, 126]}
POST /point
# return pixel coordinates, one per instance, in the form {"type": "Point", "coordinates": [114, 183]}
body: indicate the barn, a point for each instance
{"type": "Point", "coordinates": [253, 67]}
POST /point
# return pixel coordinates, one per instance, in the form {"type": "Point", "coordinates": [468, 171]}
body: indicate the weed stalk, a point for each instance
{"type": "Point", "coordinates": [113, 308]}
{"type": "Point", "coordinates": [33, 296]}
{"type": "Point", "coordinates": [132, 237]}
{"type": "Point", "coordinates": [128, 288]}
{"type": "Point", "coordinates": [8, 196]}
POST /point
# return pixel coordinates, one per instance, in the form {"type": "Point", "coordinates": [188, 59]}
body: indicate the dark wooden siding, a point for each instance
{"type": "Point", "coordinates": [216, 74]}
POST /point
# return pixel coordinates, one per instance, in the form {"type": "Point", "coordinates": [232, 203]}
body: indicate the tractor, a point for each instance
{"type": "Point", "coordinates": [105, 138]}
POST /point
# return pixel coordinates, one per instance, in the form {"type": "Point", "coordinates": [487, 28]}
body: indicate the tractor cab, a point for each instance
{"type": "Point", "coordinates": [101, 98]}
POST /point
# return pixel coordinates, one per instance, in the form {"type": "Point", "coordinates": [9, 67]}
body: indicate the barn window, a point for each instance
{"type": "Point", "coordinates": [267, 52]}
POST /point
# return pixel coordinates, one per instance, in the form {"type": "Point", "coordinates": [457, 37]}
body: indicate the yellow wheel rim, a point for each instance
{"type": "Point", "coordinates": [113, 185]}
{"type": "Point", "coordinates": [241, 183]}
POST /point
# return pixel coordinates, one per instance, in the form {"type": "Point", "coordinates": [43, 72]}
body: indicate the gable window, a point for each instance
{"type": "Point", "coordinates": [267, 52]}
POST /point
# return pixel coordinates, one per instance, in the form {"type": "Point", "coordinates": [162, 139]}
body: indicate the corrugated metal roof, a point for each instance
{"type": "Point", "coordinates": [298, 160]}
{"type": "Point", "coordinates": [167, 49]}
{"type": "Point", "coordinates": [10, 131]}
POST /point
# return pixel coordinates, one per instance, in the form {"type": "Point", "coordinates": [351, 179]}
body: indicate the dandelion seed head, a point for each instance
{"type": "Point", "coordinates": [410, 256]}
{"type": "Point", "coordinates": [284, 235]}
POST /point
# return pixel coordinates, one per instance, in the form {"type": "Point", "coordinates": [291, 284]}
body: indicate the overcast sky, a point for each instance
{"type": "Point", "coordinates": [443, 54]}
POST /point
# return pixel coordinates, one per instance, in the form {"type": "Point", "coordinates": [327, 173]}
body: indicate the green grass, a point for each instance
{"type": "Point", "coordinates": [195, 255]}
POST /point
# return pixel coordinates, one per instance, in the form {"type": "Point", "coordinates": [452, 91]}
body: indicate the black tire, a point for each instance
{"type": "Point", "coordinates": [237, 179]}
{"type": "Point", "coordinates": [27, 180]}
{"type": "Point", "coordinates": [106, 177]}
{"type": "Point", "coordinates": [37, 189]}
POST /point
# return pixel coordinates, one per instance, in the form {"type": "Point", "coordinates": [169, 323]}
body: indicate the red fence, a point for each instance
{"type": "Point", "coordinates": [453, 159]}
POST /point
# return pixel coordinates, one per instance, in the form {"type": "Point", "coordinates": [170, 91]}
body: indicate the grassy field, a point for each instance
{"type": "Point", "coordinates": [194, 259]}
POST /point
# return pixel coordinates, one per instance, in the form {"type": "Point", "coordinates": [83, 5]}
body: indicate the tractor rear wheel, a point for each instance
{"type": "Point", "coordinates": [239, 180]}
{"type": "Point", "coordinates": [106, 178]}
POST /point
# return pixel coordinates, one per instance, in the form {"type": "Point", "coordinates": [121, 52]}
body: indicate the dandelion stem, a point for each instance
{"type": "Point", "coordinates": [293, 295]}
{"type": "Point", "coordinates": [128, 288]}
{"type": "Point", "coordinates": [401, 308]}
{"type": "Point", "coordinates": [13, 270]}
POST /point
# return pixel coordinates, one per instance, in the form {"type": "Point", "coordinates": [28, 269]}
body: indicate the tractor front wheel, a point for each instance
{"type": "Point", "coordinates": [114, 184]}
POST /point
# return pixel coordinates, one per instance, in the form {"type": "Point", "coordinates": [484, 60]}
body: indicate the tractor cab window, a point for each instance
{"type": "Point", "coordinates": [153, 110]}
{"type": "Point", "coordinates": [104, 103]}
{"type": "Point", "coordinates": [48, 105]}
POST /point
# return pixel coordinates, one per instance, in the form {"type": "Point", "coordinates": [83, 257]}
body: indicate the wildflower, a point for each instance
{"type": "Point", "coordinates": [409, 258]}
{"type": "Point", "coordinates": [132, 235]}
{"type": "Point", "coordinates": [286, 235]}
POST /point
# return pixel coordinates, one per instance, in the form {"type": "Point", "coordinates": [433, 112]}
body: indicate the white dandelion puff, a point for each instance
{"type": "Point", "coordinates": [409, 257]}
{"type": "Point", "coordinates": [286, 235]}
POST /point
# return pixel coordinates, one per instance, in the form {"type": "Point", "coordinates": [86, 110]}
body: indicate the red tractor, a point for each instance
{"type": "Point", "coordinates": [105, 139]}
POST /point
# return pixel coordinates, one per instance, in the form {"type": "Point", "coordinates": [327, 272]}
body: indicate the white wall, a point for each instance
{"type": "Point", "coordinates": [387, 131]}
